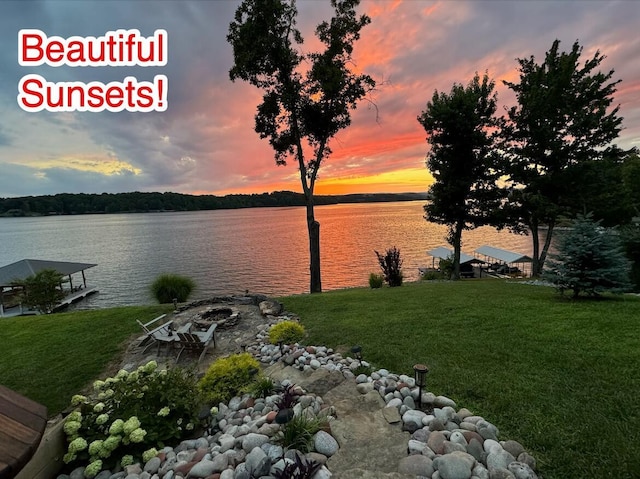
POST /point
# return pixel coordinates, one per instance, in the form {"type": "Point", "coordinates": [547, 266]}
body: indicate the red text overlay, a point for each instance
{"type": "Point", "coordinates": [114, 49]}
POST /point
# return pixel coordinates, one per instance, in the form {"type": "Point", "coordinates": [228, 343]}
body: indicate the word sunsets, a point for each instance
{"type": "Point", "coordinates": [37, 94]}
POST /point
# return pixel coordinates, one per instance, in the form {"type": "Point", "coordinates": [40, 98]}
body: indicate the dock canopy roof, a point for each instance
{"type": "Point", "coordinates": [503, 255]}
{"type": "Point", "coordinates": [443, 253]}
{"type": "Point", "coordinates": [27, 267]}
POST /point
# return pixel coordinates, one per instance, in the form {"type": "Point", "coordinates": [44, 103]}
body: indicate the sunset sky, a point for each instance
{"type": "Point", "coordinates": [205, 142]}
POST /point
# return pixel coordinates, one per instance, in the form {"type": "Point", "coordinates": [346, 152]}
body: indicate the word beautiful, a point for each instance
{"type": "Point", "coordinates": [114, 49]}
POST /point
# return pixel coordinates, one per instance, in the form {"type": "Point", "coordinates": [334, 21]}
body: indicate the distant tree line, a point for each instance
{"type": "Point", "coordinates": [141, 202]}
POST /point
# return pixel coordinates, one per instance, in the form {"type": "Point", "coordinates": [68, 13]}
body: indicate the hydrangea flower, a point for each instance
{"type": "Point", "coordinates": [77, 445]}
{"type": "Point", "coordinates": [102, 419]}
{"type": "Point", "coordinates": [78, 399]}
{"type": "Point", "coordinates": [122, 374]}
{"type": "Point", "coordinates": [189, 426]}
{"type": "Point", "coordinates": [69, 457]}
{"type": "Point", "coordinates": [214, 410]}
{"type": "Point", "coordinates": [93, 469]}
{"type": "Point", "coordinates": [137, 435]}
{"type": "Point", "coordinates": [111, 443]}
{"type": "Point", "coordinates": [116, 427]}
{"type": "Point", "coordinates": [71, 428]}
{"type": "Point", "coordinates": [126, 460]}
{"type": "Point", "coordinates": [130, 425]}
{"type": "Point", "coordinates": [95, 447]}
{"type": "Point", "coordinates": [99, 407]}
{"type": "Point", "coordinates": [75, 416]}
{"type": "Point", "coordinates": [150, 367]}
{"type": "Point", "coordinates": [132, 377]}
{"type": "Point", "coordinates": [149, 454]}
{"type": "Point", "coordinates": [98, 385]}
{"type": "Point", "coordinates": [164, 412]}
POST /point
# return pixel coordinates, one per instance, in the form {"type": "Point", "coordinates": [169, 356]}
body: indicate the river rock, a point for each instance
{"type": "Point", "coordinates": [499, 459]}
{"type": "Point", "coordinates": [416, 465]}
{"type": "Point", "coordinates": [521, 470]}
{"type": "Point", "coordinates": [152, 465]}
{"type": "Point", "coordinates": [324, 443]}
{"type": "Point", "coordinates": [413, 416]}
{"type": "Point", "coordinates": [501, 474]}
{"type": "Point", "coordinates": [528, 460]}
{"type": "Point", "coordinates": [436, 442]}
{"type": "Point", "coordinates": [270, 307]}
{"type": "Point", "coordinates": [457, 465]}
{"type": "Point", "coordinates": [392, 415]}
{"type": "Point", "coordinates": [257, 463]}
{"type": "Point", "coordinates": [204, 468]}
{"type": "Point", "coordinates": [252, 441]}
{"type": "Point", "coordinates": [442, 401]}
{"type": "Point", "coordinates": [512, 447]}
{"type": "Point", "coordinates": [416, 447]}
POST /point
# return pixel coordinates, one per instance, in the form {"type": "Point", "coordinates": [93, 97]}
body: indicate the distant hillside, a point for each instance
{"type": "Point", "coordinates": [138, 202]}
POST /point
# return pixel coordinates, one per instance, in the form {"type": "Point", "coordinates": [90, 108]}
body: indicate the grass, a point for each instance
{"type": "Point", "coordinates": [49, 358]}
{"type": "Point", "coordinates": [560, 376]}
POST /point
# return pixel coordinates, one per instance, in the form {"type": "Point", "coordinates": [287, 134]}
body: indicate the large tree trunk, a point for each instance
{"type": "Point", "coordinates": [457, 246]}
{"type": "Point", "coordinates": [536, 249]}
{"type": "Point", "coordinates": [314, 249]}
{"type": "Point", "coordinates": [547, 244]}
{"type": "Point", "coordinates": [539, 257]}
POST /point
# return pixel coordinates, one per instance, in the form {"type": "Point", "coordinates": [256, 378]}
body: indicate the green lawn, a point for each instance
{"type": "Point", "coordinates": [51, 357]}
{"type": "Point", "coordinates": [560, 376]}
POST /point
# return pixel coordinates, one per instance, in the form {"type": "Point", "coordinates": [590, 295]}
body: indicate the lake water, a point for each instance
{"type": "Point", "coordinates": [264, 250]}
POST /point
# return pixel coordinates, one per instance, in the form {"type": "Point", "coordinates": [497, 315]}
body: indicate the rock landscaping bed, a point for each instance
{"type": "Point", "coordinates": [375, 429]}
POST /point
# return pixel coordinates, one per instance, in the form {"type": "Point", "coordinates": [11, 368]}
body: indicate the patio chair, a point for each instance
{"type": "Point", "coordinates": [160, 335]}
{"type": "Point", "coordinates": [196, 342]}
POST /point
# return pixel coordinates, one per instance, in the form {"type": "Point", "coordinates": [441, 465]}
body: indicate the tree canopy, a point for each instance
{"type": "Point", "coordinates": [563, 119]}
{"type": "Point", "coordinates": [460, 128]}
{"type": "Point", "coordinates": [307, 96]}
{"type": "Point", "coordinates": [41, 291]}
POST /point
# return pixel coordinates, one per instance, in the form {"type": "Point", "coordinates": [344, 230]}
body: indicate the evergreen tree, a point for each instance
{"type": "Point", "coordinates": [590, 260]}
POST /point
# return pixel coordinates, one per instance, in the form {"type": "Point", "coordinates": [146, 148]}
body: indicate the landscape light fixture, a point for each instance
{"type": "Point", "coordinates": [357, 352]}
{"type": "Point", "coordinates": [420, 375]}
{"type": "Point", "coordinates": [281, 345]}
{"type": "Point", "coordinates": [175, 303]}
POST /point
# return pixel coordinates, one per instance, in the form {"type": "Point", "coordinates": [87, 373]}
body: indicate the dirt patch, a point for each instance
{"type": "Point", "coordinates": [238, 318]}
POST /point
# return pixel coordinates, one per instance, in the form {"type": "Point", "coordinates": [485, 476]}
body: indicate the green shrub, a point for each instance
{"type": "Point", "coordinates": [298, 433]}
{"type": "Point", "coordinates": [168, 287]}
{"type": "Point", "coordinates": [229, 377]}
{"type": "Point", "coordinates": [130, 415]}
{"type": "Point", "coordinates": [431, 275]}
{"type": "Point", "coordinates": [41, 291]}
{"type": "Point", "coordinates": [287, 331]}
{"type": "Point", "coordinates": [446, 267]}
{"type": "Point", "coordinates": [391, 264]}
{"type": "Point", "coordinates": [366, 370]}
{"type": "Point", "coordinates": [375, 281]}
{"type": "Point", "coordinates": [262, 387]}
